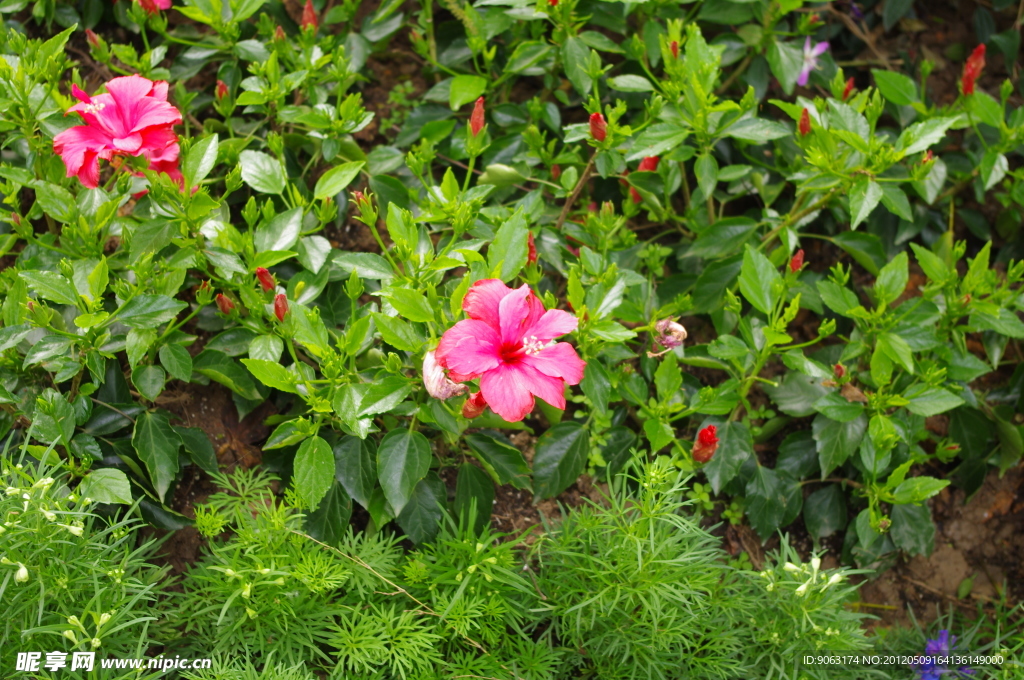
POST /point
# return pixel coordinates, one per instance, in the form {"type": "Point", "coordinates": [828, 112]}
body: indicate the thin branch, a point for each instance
{"type": "Point", "coordinates": [571, 201]}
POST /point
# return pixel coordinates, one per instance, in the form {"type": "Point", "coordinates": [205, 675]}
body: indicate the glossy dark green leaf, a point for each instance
{"type": "Point", "coordinates": [273, 374]}
{"type": "Point", "coordinates": [503, 461]}
{"type": "Point", "coordinates": [863, 247]}
{"type": "Point", "coordinates": [156, 443]}
{"type": "Point", "coordinates": [355, 467]}
{"type": "Point", "coordinates": [149, 381]}
{"type": "Point", "coordinates": [221, 368]}
{"type": "Point", "coordinates": [262, 172]}
{"type": "Point", "coordinates": [149, 311]}
{"type": "Point", "coordinates": [314, 470]}
{"type": "Point", "coordinates": [837, 441]}
{"type": "Point", "coordinates": [177, 361]}
{"type": "Point", "coordinates": [735, 446]}
{"type": "Point", "coordinates": [198, 448]}
{"type": "Point", "coordinates": [772, 497]}
{"type": "Point", "coordinates": [912, 529]}
{"type": "Point", "coordinates": [403, 459]}
{"type": "Point", "coordinates": [798, 455]}
{"type": "Point", "coordinates": [757, 280]}
{"type": "Point", "coordinates": [616, 452]}
{"type": "Point", "coordinates": [106, 485]}
{"type": "Point", "coordinates": [329, 522]}
{"type": "Point", "coordinates": [421, 516]}
{"type": "Point", "coordinates": [796, 393]}
{"type": "Point", "coordinates": [825, 511]}
{"type": "Point", "coordinates": [836, 407]}
{"type": "Point", "coordinates": [560, 458]}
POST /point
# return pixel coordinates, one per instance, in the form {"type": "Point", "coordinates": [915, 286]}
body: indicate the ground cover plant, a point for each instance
{"type": "Point", "coordinates": [750, 271]}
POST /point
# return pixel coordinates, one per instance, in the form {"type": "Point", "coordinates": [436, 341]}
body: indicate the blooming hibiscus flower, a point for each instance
{"type": "Point", "coordinates": [154, 6]}
{"type": "Point", "coordinates": [810, 62]}
{"type": "Point", "coordinates": [507, 343]}
{"type": "Point", "coordinates": [133, 118]}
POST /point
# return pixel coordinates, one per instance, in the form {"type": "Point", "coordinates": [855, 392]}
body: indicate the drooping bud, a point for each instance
{"type": "Point", "coordinates": [474, 406]}
{"type": "Point", "coordinates": [706, 444]}
{"type": "Point", "coordinates": [598, 127]}
{"type": "Point", "coordinates": [222, 90]}
{"type": "Point", "coordinates": [531, 253]}
{"type": "Point", "coordinates": [280, 306]}
{"type": "Point", "coordinates": [224, 303]}
{"type": "Point", "coordinates": [670, 333]}
{"type": "Point", "coordinates": [265, 278]}
{"type": "Point", "coordinates": [797, 261]}
{"type": "Point", "coordinates": [438, 385]}
{"type": "Point", "coordinates": [476, 119]}
{"type": "Point", "coordinates": [805, 123]}
{"type": "Point", "coordinates": [848, 90]}
{"type": "Point", "coordinates": [673, 47]}
{"type": "Point", "coordinates": [972, 69]}
{"type": "Point", "coordinates": [309, 17]}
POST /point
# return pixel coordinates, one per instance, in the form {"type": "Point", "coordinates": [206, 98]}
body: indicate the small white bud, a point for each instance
{"type": "Point", "coordinates": [21, 575]}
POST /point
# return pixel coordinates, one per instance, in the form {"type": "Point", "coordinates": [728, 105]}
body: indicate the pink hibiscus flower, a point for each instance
{"type": "Point", "coordinates": [507, 343]}
{"type": "Point", "coordinates": [133, 118]}
{"type": "Point", "coordinates": [154, 6]}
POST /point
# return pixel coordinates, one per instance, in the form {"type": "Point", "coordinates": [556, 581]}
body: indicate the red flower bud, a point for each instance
{"type": "Point", "coordinates": [928, 157]}
{"type": "Point", "coordinates": [839, 370]}
{"type": "Point", "coordinates": [797, 262]}
{"type": "Point", "coordinates": [476, 119]}
{"type": "Point", "coordinates": [635, 195]}
{"type": "Point", "coordinates": [474, 406]}
{"type": "Point", "coordinates": [280, 306]}
{"type": "Point", "coordinates": [848, 89]}
{"type": "Point", "coordinates": [706, 444]}
{"type": "Point", "coordinates": [553, 3]}
{"type": "Point", "coordinates": [309, 17]}
{"type": "Point", "coordinates": [279, 34]}
{"type": "Point", "coordinates": [222, 90]}
{"type": "Point", "coordinates": [92, 38]}
{"type": "Point", "coordinates": [266, 279]}
{"type": "Point", "coordinates": [598, 127]}
{"type": "Point", "coordinates": [556, 172]}
{"type": "Point", "coordinates": [972, 69]}
{"type": "Point", "coordinates": [224, 304]}
{"type": "Point", "coordinates": [648, 164]}
{"type": "Point", "coordinates": [673, 47]}
{"type": "Point", "coordinates": [805, 123]}
{"type": "Point", "coordinates": [531, 255]}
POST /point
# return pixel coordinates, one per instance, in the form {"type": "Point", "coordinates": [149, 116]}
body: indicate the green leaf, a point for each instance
{"type": "Point", "coordinates": [55, 200]}
{"type": "Point", "coordinates": [758, 130]}
{"type": "Point", "coordinates": [420, 518]}
{"type": "Point", "coordinates": [897, 349]}
{"type": "Point", "coordinates": [149, 381]}
{"type": "Point", "coordinates": [917, 489]}
{"type": "Point", "coordinates": [465, 89]}
{"type": "Point", "coordinates": [896, 87]}
{"type": "Point", "coordinates": [630, 83]}
{"type": "Point", "coordinates": [198, 447]}
{"type": "Point", "coordinates": [280, 233]}
{"type": "Point", "coordinates": [836, 407]}
{"type": "Point", "coordinates": [836, 441]}
{"type": "Point", "coordinates": [657, 140]}
{"type": "Point", "coordinates": [403, 459]}
{"type": "Point", "coordinates": [798, 455]}
{"type": "Point", "coordinates": [735, 446]}
{"type": "Point", "coordinates": [668, 378]}
{"type": "Point", "coordinates": [177, 361]}
{"type": "Point", "coordinates": [288, 433]}
{"type": "Point", "coordinates": [933, 266]}
{"type": "Point", "coordinates": [510, 247]}
{"type": "Point", "coordinates": [314, 471]}
{"type": "Point", "coordinates": [106, 485]}
{"type": "Point", "coordinates": [504, 462]}
{"type": "Point", "coordinates": [616, 451]}
{"type": "Point", "coordinates": [385, 395]}
{"type": "Point", "coordinates": [575, 55]}
{"type": "Point", "coordinates": [54, 420]}
{"type": "Point", "coordinates": [329, 522]}
{"type": "Point", "coordinates": [825, 511]}
{"type": "Point", "coordinates": [892, 279]}
{"type": "Point", "coordinates": [332, 182]}
{"type": "Point", "coordinates": [865, 248]}
{"type": "Point", "coordinates": [262, 172]}
{"type": "Point", "coordinates": [706, 170]}
{"type": "Point", "coordinates": [411, 304]}
{"type": "Point", "coordinates": [51, 286]}
{"type": "Point", "coordinates": [560, 458]}
{"type": "Point", "coordinates": [758, 277]}
{"type": "Point", "coordinates": [273, 374]}
{"type": "Point", "coordinates": [896, 202]}
{"type": "Point", "coordinates": [912, 529]}
{"type": "Point", "coordinates": [724, 238]}
{"type": "Point", "coordinates": [267, 347]}
{"type": "Point", "coordinates": [365, 265]}
{"type": "Point", "coordinates": [659, 434]}
{"type": "Point", "coordinates": [199, 161]}
{"type": "Point", "coordinates": [864, 196]}
{"type": "Point", "coordinates": [785, 61]}
{"type": "Point", "coordinates": [221, 368]}
{"type": "Point", "coordinates": [796, 394]}
{"type": "Point", "coordinates": [149, 311]}
{"type": "Point", "coordinates": [355, 467]}
{"type": "Point", "coordinates": [771, 497]}
{"type": "Point", "coordinates": [398, 333]}
{"type": "Point", "coordinates": [474, 490]}
{"type": "Point", "coordinates": [920, 136]}
{"type": "Point", "coordinates": [931, 401]}
{"type": "Point", "coordinates": [157, 444]}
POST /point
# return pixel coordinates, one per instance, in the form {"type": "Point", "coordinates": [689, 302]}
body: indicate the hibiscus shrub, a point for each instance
{"type": "Point", "coordinates": [532, 260]}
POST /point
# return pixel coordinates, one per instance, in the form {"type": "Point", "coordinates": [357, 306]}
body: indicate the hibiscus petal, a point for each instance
{"type": "Point", "coordinates": [820, 49]}
{"type": "Point", "coordinates": [152, 112]}
{"type": "Point", "coordinates": [159, 90]}
{"type": "Point", "coordinates": [802, 78]}
{"type": "Point", "coordinates": [73, 144]}
{"type": "Point", "coordinates": [558, 361]}
{"type": "Point", "coordinates": [469, 347]}
{"type": "Point", "coordinates": [128, 91]}
{"type": "Point", "coordinates": [553, 323]}
{"type": "Point", "coordinates": [551, 390]}
{"type": "Point", "coordinates": [89, 173]}
{"type": "Point", "coordinates": [507, 391]}
{"type": "Point", "coordinates": [130, 144]}
{"type": "Point", "coordinates": [80, 94]}
{"type": "Point", "coordinates": [513, 311]}
{"type": "Point", "coordinates": [482, 300]}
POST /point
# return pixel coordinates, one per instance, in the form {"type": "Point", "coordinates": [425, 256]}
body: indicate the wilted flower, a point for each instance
{"type": "Point", "coordinates": [706, 444]}
{"type": "Point", "coordinates": [797, 261]}
{"type": "Point", "coordinates": [810, 60]}
{"type": "Point", "coordinates": [972, 69]}
{"type": "Point", "coordinates": [670, 333]}
{"type": "Point", "coordinates": [506, 342]}
{"type": "Point", "coordinates": [265, 278]}
{"type": "Point", "coordinates": [805, 123]}
{"type": "Point", "coordinates": [598, 127]}
{"type": "Point", "coordinates": [280, 306]}
{"type": "Point", "coordinates": [476, 119]}
{"type": "Point", "coordinates": [309, 17]}
{"type": "Point", "coordinates": [224, 304]}
{"type": "Point", "coordinates": [474, 406]}
{"type": "Point", "coordinates": [437, 383]}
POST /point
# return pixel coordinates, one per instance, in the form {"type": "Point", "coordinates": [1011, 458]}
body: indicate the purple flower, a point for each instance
{"type": "Point", "coordinates": [941, 646]}
{"type": "Point", "coordinates": [810, 63]}
{"type": "Point", "coordinates": [855, 10]}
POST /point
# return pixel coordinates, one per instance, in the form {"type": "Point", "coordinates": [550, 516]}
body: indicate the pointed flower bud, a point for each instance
{"type": "Point", "coordinates": [848, 90]}
{"type": "Point", "coordinates": [972, 69]}
{"type": "Point", "coordinates": [598, 127]}
{"type": "Point", "coordinates": [474, 406]}
{"type": "Point", "coordinates": [670, 333]}
{"type": "Point", "coordinates": [556, 172]}
{"type": "Point", "coordinates": [476, 119]}
{"type": "Point", "coordinates": [222, 90]}
{"type": "Point", "coordinates": [648, 164]}
{"type": "Point", "coordinates": [438, 385]}
{"type": "Point", "coordinates": [805, 123]}
{"type": "Point", "coordinates": [928, 157]}
{"type": "Point", "coordinates": [92, 38]}
{"type": "Point", "coordinates": [531, 253]}
{"type": "Point", "coordinates": [280, 306]}
{"type": "Point", "coordinates": [279, 34]}
{"type": "Point", "coordinates": [707, 442]}
{"type": "Point", "coordinates": [265, 278]}
{"type": "Point", "coordinates": [309, 17]}
{"type": "Point", "coordinates": [797, 261]}
{"type": "Point", "coordinates": [553, 3]}
{"type": "Point", "coordinates": [839, 370]}
{"type": "Point", "coordinates": [673, 47]}
{"type": "Point", "coordinates": [224, 304]}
